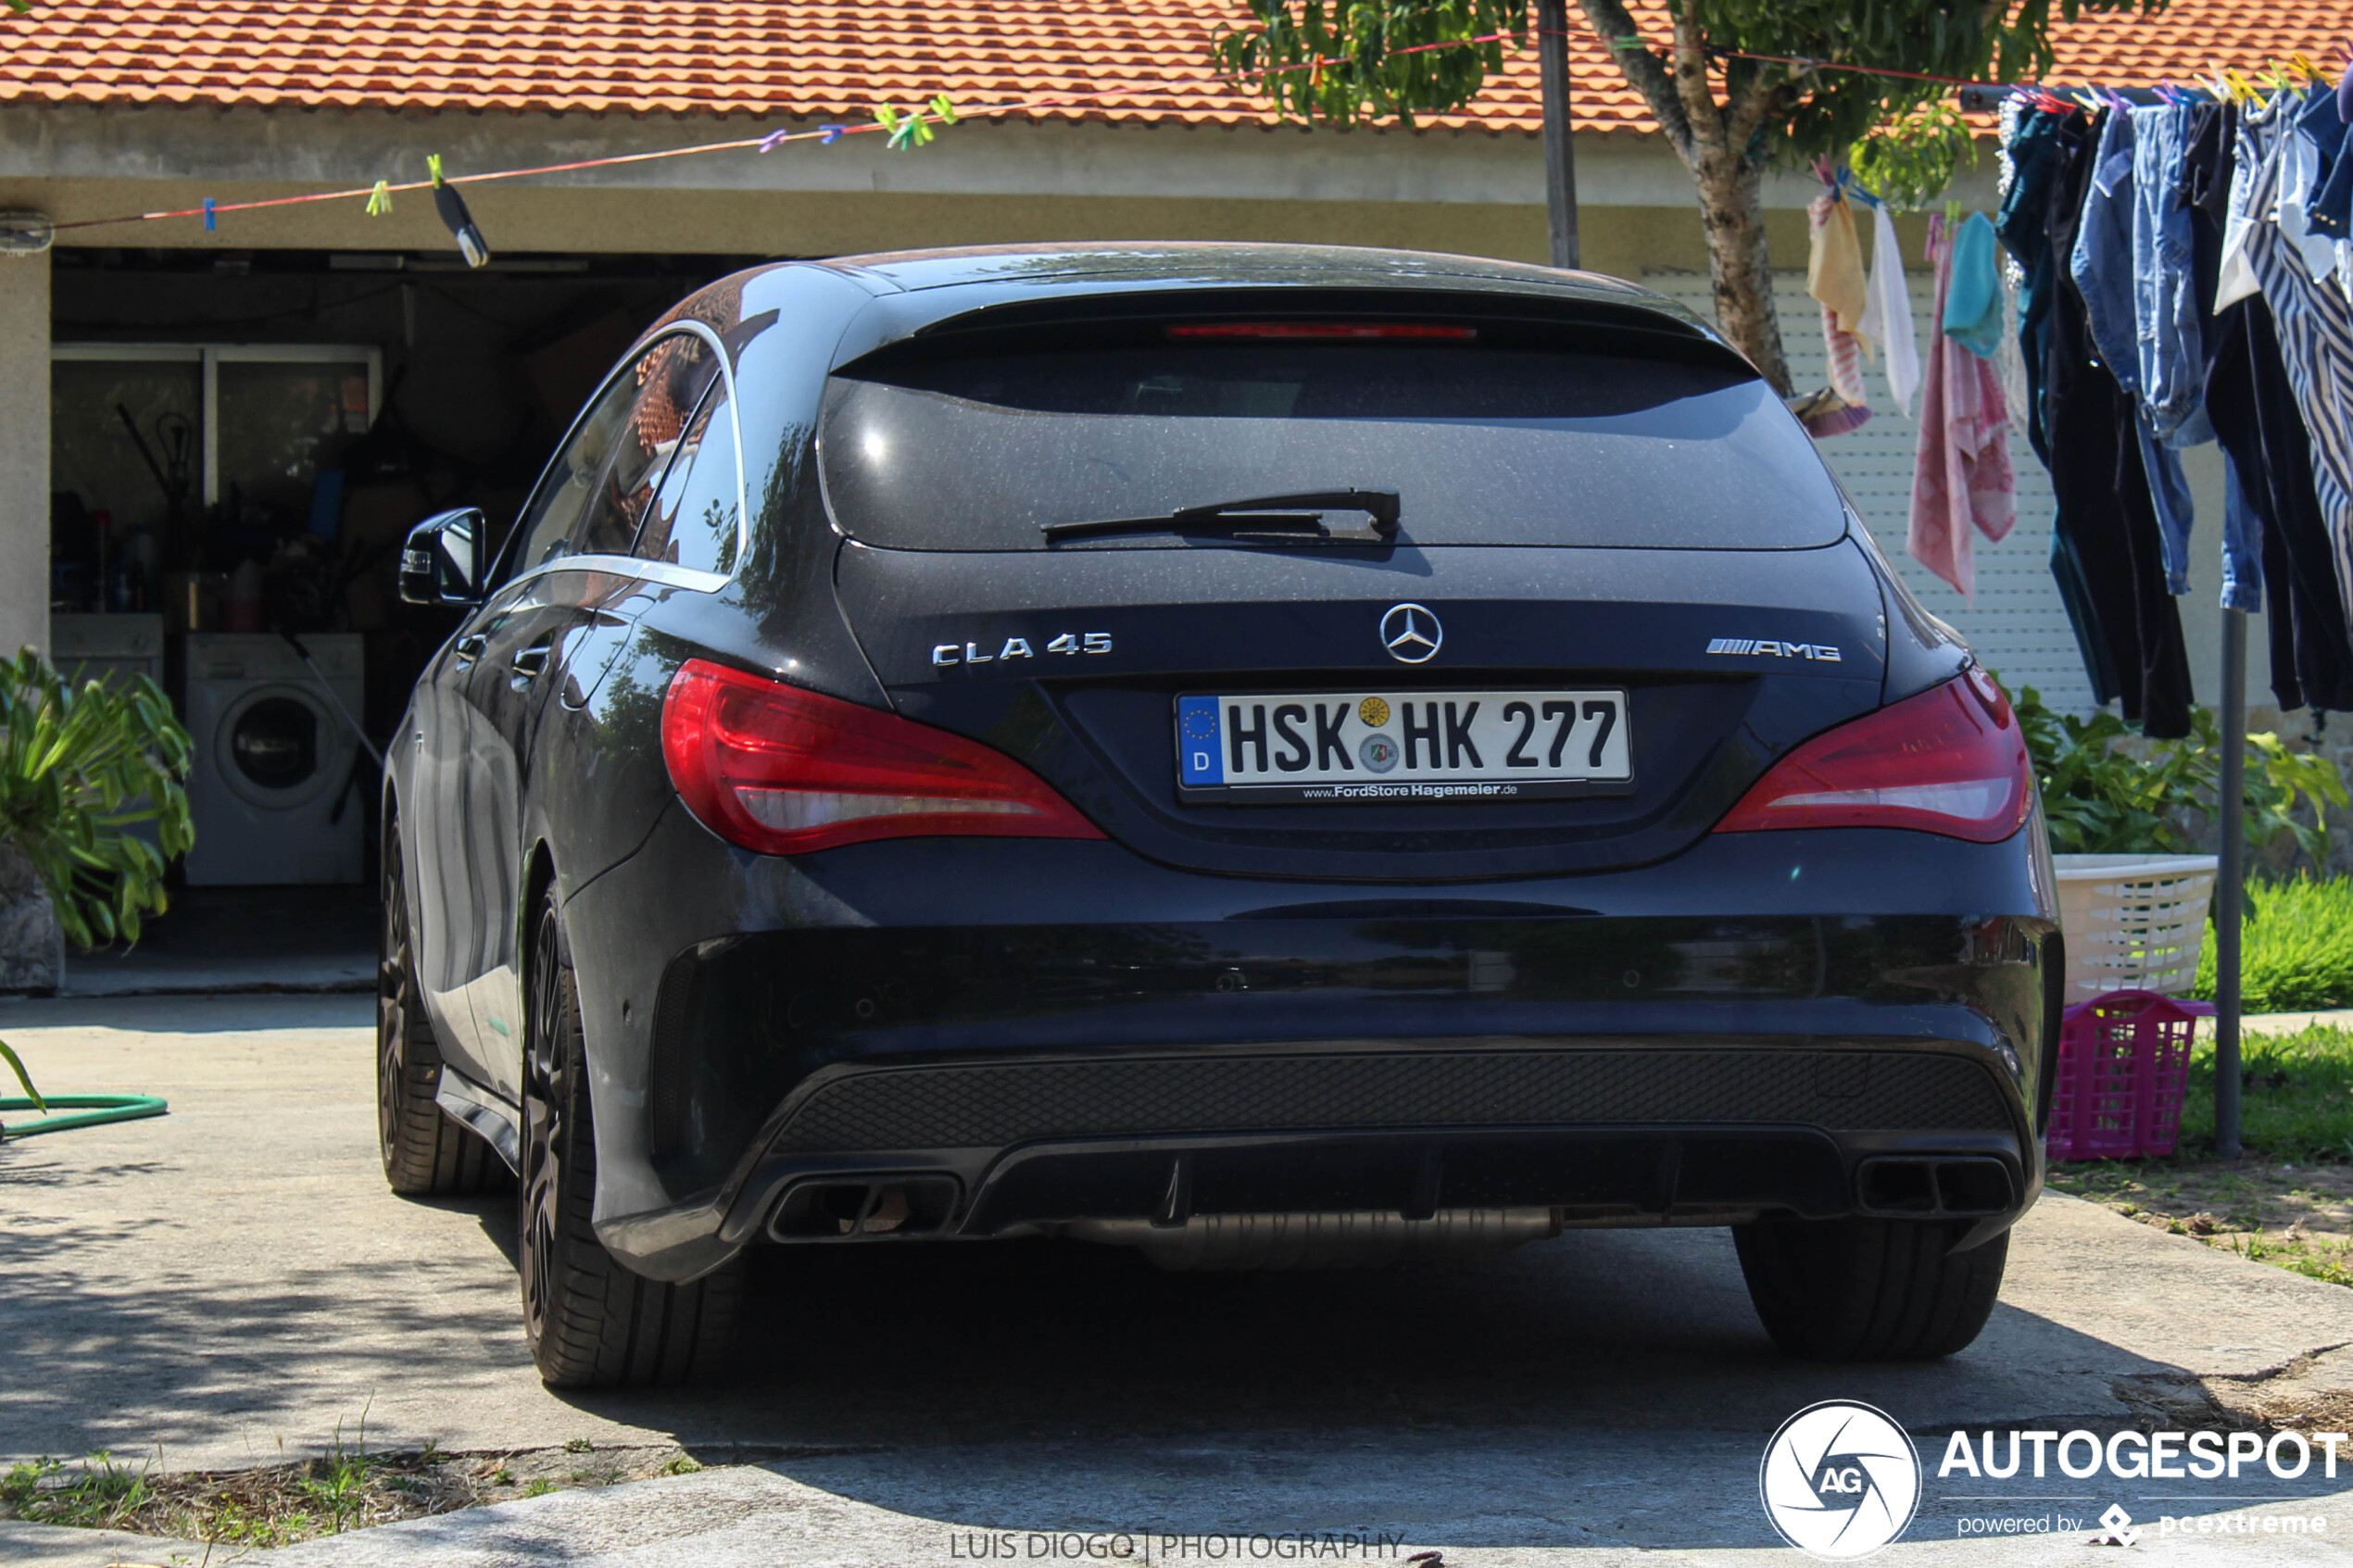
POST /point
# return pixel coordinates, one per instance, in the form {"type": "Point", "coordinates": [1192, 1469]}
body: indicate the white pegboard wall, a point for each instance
{"type": "Point", "coordinates": [2017, 625]}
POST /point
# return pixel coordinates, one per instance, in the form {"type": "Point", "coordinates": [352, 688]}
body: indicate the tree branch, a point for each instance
{"type": "Point", "coordinates": [1691, 78]}
{"type": "Point", "coordinates": [1639, 67]}
{"type": "Point", "coordinates": [1751, 102]}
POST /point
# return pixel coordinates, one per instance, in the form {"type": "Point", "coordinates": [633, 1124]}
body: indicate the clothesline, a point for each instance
{"type": "Point", "coordinates": [378, 193]}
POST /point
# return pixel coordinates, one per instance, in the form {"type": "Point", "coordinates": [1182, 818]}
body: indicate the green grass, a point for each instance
{"type": "Point", "coordinates": [2313, 1259]}
{"type": "Point", "coordinates": [103, 1497]}
{"type": "Point", "coordinates": [2296, 948]}
{"type": "Point", "coordinates": [2295, 1096]}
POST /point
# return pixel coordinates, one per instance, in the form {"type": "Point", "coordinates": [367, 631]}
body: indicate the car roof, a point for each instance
{"type": "Point", "coordinates": [976, 277]}
{"type": "Point", "coordinates": [1196, 263]}
{"type": "Point", "coordinates": [920, 290]}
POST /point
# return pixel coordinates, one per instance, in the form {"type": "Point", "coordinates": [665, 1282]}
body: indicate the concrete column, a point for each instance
{"type": "Point", "coordinates": [31, 951]}
{"type": "Point", "coordinates": [24, 453]}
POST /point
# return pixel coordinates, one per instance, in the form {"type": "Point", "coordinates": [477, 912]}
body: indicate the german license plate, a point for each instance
{"type": "Point", "coordinates": [1402, 746]}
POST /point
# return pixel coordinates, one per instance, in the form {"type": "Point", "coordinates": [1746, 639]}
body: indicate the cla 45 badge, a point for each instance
{"type": "Point", "coordinates": [944, 654]}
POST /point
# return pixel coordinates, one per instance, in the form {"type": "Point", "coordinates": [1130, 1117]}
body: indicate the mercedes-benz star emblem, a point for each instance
{"type": "Point", "coordinates": [1411, 634]}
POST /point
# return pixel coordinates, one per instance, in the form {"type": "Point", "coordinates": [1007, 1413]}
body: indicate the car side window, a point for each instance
{"type": "Point", "coordinates": [670, 379]}
{"type": "Point", "coordinates": [596, 488]}
{"type": "Point", "coordinates": [694, 519]}
{"type": "Point", "coordinates": [553, 517]}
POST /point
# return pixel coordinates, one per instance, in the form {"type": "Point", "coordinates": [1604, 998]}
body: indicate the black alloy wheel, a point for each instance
{"type": "Point", "coordinates": [426, 1154]}
{"type": "Point", "coordinates": [591, 1322]}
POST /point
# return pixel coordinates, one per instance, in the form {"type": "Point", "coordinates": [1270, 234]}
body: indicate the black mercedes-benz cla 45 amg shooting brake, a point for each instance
{"type": "Point", "coordinates": [1262, 754]}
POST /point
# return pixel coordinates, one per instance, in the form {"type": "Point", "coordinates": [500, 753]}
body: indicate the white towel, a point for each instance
{"type": "Point", "coordinates": [1887, 311]}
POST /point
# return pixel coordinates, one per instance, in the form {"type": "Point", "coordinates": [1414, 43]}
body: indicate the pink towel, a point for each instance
{"type": "Point", "coordinates": [1962, 482]}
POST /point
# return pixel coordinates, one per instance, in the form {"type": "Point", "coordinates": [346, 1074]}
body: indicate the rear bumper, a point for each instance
{"type": "Point", "coordinates": [1657, 1132]}
{"type": "Point", "coordinates": [1021, 1034]}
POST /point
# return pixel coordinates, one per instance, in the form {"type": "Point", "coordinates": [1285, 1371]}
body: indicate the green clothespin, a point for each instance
{"type": "Point", "coordinates": [943, 109]}
{"type": "Point", "coordinates": [380, 199]}
{"type": "Point", "coordinates": [903, 130]}
{"type": "Point", "coordinates": [432, 167]}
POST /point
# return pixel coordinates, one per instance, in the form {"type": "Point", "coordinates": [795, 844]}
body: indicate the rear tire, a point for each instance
{"type": "Point", "coordinates": [592, 1323]}
{"type": "Point", "coordinates": [426, 1153]}
{"type": "Point", "coordinates": [1869, 1290]}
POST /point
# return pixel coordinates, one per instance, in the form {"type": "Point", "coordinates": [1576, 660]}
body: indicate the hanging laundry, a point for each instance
{"type": "Point", "coordinates": [1972, 316]}
{"type": "Point", "coordinates": [2170, 366]}
{"type": "Point", "coordinates": [2011, 360]}
{"type": "Point", "coordinates": [2202, 186]}
{"type": "Point", "coordinates": [1887, 316]}
{"type": "Point", "coordinates": [1962, 482]}
{"type": "Point", "coordinates": [1834, 276]}
{"type": "Point", "coordinates": [2102, 264]}
{"type": "Point", "coordinates": [2106, 546]}
{"type": "Point", "coordinates": [2036, 153]}
{"type": "Point", "coordinates": [2314, 323]}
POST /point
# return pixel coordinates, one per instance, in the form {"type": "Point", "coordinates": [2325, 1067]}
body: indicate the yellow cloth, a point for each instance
{"type": "Point", "coordinates": [1834, 269]}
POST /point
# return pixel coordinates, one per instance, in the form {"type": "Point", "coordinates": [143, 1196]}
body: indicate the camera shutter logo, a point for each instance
{"type": "Point", "coordinates": [1840, 1480]}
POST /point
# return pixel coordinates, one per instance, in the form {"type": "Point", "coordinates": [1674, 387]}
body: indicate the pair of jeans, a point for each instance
{"type": "Point", "coordinates": [2170, 364]}
{"type": "Point", "coordinates": [2104, 265]}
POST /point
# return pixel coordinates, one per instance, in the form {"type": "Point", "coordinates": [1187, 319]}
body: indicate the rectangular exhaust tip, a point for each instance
{"type": "Point", "coordinates": [863, 1208]}
{"type": "Point", "coordinates": [1924, 1186]}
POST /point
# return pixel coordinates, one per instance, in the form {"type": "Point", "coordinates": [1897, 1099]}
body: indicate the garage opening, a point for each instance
{"type": "Point", "coordinates": [240, 441]}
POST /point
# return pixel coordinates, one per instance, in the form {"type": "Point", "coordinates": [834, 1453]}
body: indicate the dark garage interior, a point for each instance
{"type": "Point", "coordinates": [240, 441]}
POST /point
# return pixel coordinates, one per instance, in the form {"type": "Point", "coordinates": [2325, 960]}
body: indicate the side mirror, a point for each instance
{"type": "Point", "coordinates": [441, 563]}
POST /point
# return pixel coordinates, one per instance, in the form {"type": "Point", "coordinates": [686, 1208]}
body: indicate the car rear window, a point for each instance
{"type": "Point", "coordinates": [1485, 446]}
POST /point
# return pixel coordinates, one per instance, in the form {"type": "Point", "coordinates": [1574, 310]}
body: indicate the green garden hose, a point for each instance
{"type": "Point", "coordinates": [95, 1111]}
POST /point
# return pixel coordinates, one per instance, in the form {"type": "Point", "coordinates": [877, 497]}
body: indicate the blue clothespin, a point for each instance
{"type": "Point", "coordinates": [211, 224]}
{"type": "Point", "coordinates": [770, 142]}
{"type": "Point", "coordinates": [829, 134]}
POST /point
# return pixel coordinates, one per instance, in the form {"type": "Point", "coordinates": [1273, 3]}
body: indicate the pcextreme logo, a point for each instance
{"type": "Point", "coordinates": [1840, 1480]}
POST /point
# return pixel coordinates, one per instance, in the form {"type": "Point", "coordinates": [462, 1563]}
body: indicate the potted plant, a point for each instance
{"type": "Point", "coordinates": [80, 765]}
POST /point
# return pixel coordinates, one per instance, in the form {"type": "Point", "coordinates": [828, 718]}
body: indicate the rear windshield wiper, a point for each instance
{"type": "Point", "coordinates": [1294, 517]}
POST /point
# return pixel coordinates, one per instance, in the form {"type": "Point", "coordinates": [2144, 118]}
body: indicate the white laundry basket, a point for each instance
{"type": "Point", "coordinates": [2133, 923]}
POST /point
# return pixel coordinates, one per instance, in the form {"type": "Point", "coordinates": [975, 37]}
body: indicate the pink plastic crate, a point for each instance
{"type": "Point", "coordinates": [2123, 1062]}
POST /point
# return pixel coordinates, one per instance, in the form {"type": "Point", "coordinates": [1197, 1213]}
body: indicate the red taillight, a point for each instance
{"type": "Point", "coordinates": [1950, 760]}
{"type": "Point", "coordinates": [784, 770]}
{"type": "Point", "coordinates": [1324, 330]}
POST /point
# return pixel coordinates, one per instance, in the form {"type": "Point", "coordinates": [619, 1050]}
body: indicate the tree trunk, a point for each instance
{"type": "Point", "coordinates": [1731, 204]}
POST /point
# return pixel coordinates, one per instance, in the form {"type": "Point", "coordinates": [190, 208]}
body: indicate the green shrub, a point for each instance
{"type": "Point", "coordinates": [2106, 791]}
{"type": "Point", "coordinates": [79, 765]}
{"type": "Point", "coordinates": [2295, 947]}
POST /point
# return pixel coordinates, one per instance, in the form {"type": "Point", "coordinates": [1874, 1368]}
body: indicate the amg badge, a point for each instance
{"type": "Point", "coordinates": [1769, 649]}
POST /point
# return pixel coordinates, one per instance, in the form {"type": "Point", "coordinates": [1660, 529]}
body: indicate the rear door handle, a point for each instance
{"type": "Point", "coordinates": [527, 663]}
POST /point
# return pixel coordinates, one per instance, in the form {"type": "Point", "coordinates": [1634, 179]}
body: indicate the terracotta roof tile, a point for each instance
{"type": "Point", "coordinates": [1143, 63]}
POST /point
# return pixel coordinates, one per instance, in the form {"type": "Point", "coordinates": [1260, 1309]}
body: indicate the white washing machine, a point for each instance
{"type": "Point", "coordinates": [273, 790]}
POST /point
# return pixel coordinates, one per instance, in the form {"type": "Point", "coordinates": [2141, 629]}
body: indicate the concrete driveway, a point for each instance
{"type": "Point", "coordinates": [232, 1284]}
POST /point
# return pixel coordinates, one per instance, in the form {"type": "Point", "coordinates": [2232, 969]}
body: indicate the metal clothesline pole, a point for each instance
{"type": "Point", "coordinates": [2230, 895]}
